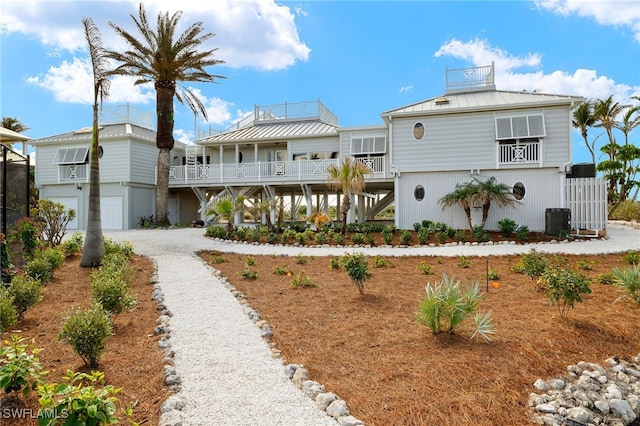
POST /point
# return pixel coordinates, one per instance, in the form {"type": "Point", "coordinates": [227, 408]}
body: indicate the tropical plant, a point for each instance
{"type": "Point", "coordinates": [357, 268]}
{"type": "Point", "coordinates": [80, 399]}
{"type": "Point", "coordinates": [25, 291]}
{"type": "Point", "coordinates": [564, 286]}
{"type": "Point", "coordinates": [93, 241]}
{"type": "Point", "coordinates": [55, 218]}
{"type": "Point", "coordinates": [86, 332]}
{"type": "Point", "coordinates": [226, 208]}
{"type": "Point", "coordinates": [464, 196]}
{"type": "Point", "coordinates": [20, 371]}
{"type": "Point", "coordinates": [348, 177]}
{"type": "Point", "coordinates": [12, 123]}
{"type": "Point", "coordinates": [632, 257]}
{"type": "Point", "coordinates": [405, 237]}
{"type": "Point", "coordinates": [583, 119]}
{"type": "Point", "coordinates": [628, 279]}
{"type": "Point", "coordinates": [166, 59]}
{"type": "Point", "coordinates": [490, 191]}
{"type": "Point", "coordinates": [447, 304]}
{"type": "Point", "coordinates": [507, 226]}
{"type": "Point", "coordinates": [27, 231]}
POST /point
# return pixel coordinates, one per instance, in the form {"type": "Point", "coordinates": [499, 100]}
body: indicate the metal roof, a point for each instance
{"type": "Point", "coordinates": [490, 100]}
{"type": "Point", "coordinates": [274, 131]}
{"type": "Point", "coordinates": [107, 131]}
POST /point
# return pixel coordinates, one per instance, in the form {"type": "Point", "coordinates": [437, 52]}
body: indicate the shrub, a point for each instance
{"type": "Point", "coordinates": [112, 292]}
{"type": "Point", "coordinates": [338, 238]}
{"type": "Point", "coordinates": [272, 237]}
{"type": "Point", "coordinates": [387, 234]}
{"type": "Point", "coordinates": [55, 219]}
{"type": "Point", "coordinates": [357, 268]}
{"type": "Point", "coordinates": [507, 226]}
{"type": "Point", "coordinates": [20, 371]}
{"type": "Point", "coordinates": [628, 279]}
{"type": "Point", "coordinates": [522, 233]}
{"type": "Point", "coordinates": [479, 234]}
{"type": "Point", "coordinates": [8, 312]}
{"type": "Point", "coordinates": [608, 278]}
{"type": "Point", "coordinates": [39, 269]}
{"type": "Point", "coordinates": [423, 235]}
{"type": "Point", "coordinates": [241, 233]}
{"type": "Point", "coordinates": [532, 264]}
{"type": "Point", "coordinates": [301, 260]}
{"type": "Point", "coordinates": [111, 246]}
{"type": "Point", "coordinates": [446, 305]}
{"type": "Point", "coordinates": [425, 268]}
{"type": "Point", "coordinates": [442, 237]}
{"type": "Point", "coordinates": [25, 291]}
{"type": "Point", "coordinates": [493, 275]}
{"type": "Point", "coordinates": [216, 232]}
{"type": "Point", "coordinates": [27, 231]}
{"type": "Point", "coordinates": [82, 402]}
{"type": "Point", "coordinates": [73, 245]}
{"type": "Point", "coordinates": [632, 257]}
{"type": "Point", "coordinates": [357, 238]}
{"type": "Point", "coordinates": [464, 262]}
{"type": "Point", "coordinates": [281, 270]}
{"type": "Point", "coordinates": [288, 235]}
{"type": "Point", "coordinates": [54, 255]}
{"type": "Point", "coordinates": [216, 258]}
{"type": "Point", "coordinates": [86, 332]}
{"type": "Point", "coordinates": [320, 238]}
{"type": "Point", "coordinates": [249, 261]}
{"type": "Point", "coordinates": [381, 262]}
{"type": "Point", "coordinates": [461, 236]}
{"type": "Point", "coordinates": [564, 287]}
{"type": "Point", "coordinates": [302, 280]}
{"type": "Point", "coordinates": [628, 210]}
{"type": "Point", "coordinates": [334, 264]}
{"type": "Point", "coordinates": [405, 237]}
{"type": "Point", "coordinates": [585, 265]}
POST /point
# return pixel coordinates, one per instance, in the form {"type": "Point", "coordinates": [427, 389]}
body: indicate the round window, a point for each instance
{"type": "Point", "coordinates": [418, 193]}
{"type": "Point", "coordinates": [100, 151]}
{"type": "Point", "coordinates": [518, 191]}
{"type": "Point", "coordinates": [418, 131]}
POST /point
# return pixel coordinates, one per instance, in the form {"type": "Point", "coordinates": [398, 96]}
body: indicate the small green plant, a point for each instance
{"type": "Point", "coordinates": [532, 264]}
{"type": "Point", "coordinates": [301, 260]}
{"type": "Point", "coordinates": [20, 371]}
{"type": "Point", "coordinates": [461, 236]}
{"type": "Point", "coordinates": [522, 233]}
{"type": "Point", "coordinates": [425, 268]}
{"type": "Point", "coordinates": [357, 238]}
{"type": "Point", "coordinates": [447, 304]}
{"type": "Point", "coordinates": [464, 262]}
{"type": "Point", "coordinates": [288, 235]}
{"type": "Point", "coordinates": [124, 248]}
{"type": "Point", "coordinates": [214, 231]}
{"type": "Point", "coordinates": [381, 262]}
{"type": "Point", "coordinates": [8, 312]}
{"type": "Point", "coordinates": [216, 258]}
{"type": "Point", "coordinates": [281, 270]}
{"type": "Point", "coordinates": [248, 274]}
{"type": "Point", "coordinates": [606, 279]}
{"type": "Point", "coordinates": [564, 286]}
{"type": "Point", "coordinates": [86, 332]}
{"type": "Point", "coordinates": [357, 268]}
{"type": "Point", "coordinates": [334, 264]}
{"type": "Point", "coordinates": [632, 257]}
{"type": "Point", "coordinates": [493, 275]}
{"type": "Point", "coordinates": [27, 231]}
{"type": "Point", "coordinates": [321, 238]}
{"type": "Point", "coordinates": [112, 292]}
{"type": "Point", "coordinates": [423, 235]}
{"type": "Point", "coordinates": [249, 261]}
{"type": "Point", "coordinates": [80, 398]}
{"type": "Point", "coordinates": [585, 265]}
{"type": "Point", "coordinates": [405, 237]}
{"type": "Point", "coordinates": [387, 234]}
{"type": "Point", "coordinates": [25, 291]}
{"type": "Point", "coordinates": [73, 245]}
{"type": "Point", "coordinates": [563, 234]}
{"type": "Point", "coordinates": [628, 279]}
{"type": "Point", "coordinates": [39, 268]}
{"type": "Point", "coordinates": [302, 280]}
{"type": "Point", "coordinates": [507, 227]}
{"type": "Point", "coordinates": [442, 236]}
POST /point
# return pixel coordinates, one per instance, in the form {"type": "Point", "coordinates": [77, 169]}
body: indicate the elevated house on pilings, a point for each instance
{"type": "Point", "coordinates": [282, 152]}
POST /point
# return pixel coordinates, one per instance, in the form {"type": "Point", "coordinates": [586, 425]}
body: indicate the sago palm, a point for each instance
{"type": "Point", "coordinates": [348, 176]}
{"type": "Point", "coordinates": [166, 59]}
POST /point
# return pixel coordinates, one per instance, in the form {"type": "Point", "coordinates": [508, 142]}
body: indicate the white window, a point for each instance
{"type": "Point", "coordinates": [523, 126]}
{"type": "Point", "coordinates": [77, 155]}
{"type": "Point", "coordinates": [368, 145]}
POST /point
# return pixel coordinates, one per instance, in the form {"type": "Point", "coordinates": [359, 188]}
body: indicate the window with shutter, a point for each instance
{"type": "Point", "coordinates": [522, 126]}
{"type": "Point", "coordinates": [368, 145]}
{"type": "Point", "coordinates": [77, 155]}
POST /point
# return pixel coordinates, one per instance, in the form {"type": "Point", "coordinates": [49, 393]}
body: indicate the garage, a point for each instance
{"type": "Point", "coordinates": [111, 212]}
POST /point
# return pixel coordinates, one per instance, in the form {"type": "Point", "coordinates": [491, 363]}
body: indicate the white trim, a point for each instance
{"type": "Point", "coordinates": [75, 155]}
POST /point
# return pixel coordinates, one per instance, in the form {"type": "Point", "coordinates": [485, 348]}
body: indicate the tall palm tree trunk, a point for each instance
{"type": "Point", "coordinates": [164, 101]}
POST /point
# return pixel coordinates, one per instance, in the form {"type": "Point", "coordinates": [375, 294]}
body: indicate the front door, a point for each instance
{"type": "Point", "coordinates": [280, 156]}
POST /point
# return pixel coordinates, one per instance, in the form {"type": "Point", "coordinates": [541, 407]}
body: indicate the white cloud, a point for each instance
{"type": "Point", "coordinates": [251, 33]}
{"type": "Point", "coordinates": [582, 82]}
{"type": "Point", "coordinates": [406, 89]}
{"type": "Point", "coordinates": [617, 13]}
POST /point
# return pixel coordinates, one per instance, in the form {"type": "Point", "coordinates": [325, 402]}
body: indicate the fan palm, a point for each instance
{"type": "Point", "coordinates": [348, 176]}
{"type": "Point", "coordinates": [166, 59]}
{"type": "Point", "coordinates": [93, 243]}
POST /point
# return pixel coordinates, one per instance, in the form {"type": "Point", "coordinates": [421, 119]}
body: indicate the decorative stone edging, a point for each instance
{"type": "Point", "coordinates": [325, 401]}
{"type": "Point", "coordinates": [590, 395]}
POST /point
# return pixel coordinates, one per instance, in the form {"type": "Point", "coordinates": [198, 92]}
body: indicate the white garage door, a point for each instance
{"type": "Point", "coordinates": [111, 212]}
{"type": "Point", "coordinates": [69, 203]}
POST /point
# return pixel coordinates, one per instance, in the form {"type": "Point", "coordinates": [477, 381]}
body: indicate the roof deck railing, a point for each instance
{"type": "Point", "coordinates": [127, 114]}
{"type": "Point", "coordinates": [470, 79]}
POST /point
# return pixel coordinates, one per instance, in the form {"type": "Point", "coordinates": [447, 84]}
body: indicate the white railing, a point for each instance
{"type": "Point", "coordinates": [73, 173]}
{"type": "Point", "coordinates": [264, 171]}
{"type": "Point", "coordinates": [587, 200]}
{"type": "Point", "coordinates": [519, 153]}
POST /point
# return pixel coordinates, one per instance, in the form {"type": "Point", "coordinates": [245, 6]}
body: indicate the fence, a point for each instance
{"type": "Point", "coordinates": [587, 199]}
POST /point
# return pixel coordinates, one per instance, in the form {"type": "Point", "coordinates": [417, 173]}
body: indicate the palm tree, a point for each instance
{"type": "Point", "coordinates": [464, 195]}
{"type": "Point", "coordinates": [12, 123]}
{"type": "Point", "coordinates": [226, 208]}
{"type": "Point", "coordinates": [349, 176]}
{"type": "Point", "coordinates": [491, 191]}
{"type": "Point", "coordinates": [166, 59]}
{"type": "Point", "coordinates": [93, 248]}
{"type": "Point", "coordinates": [583, 119]}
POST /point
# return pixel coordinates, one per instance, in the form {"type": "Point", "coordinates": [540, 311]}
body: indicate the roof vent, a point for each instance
{"type": "Point", "coordinates": [442, 100]}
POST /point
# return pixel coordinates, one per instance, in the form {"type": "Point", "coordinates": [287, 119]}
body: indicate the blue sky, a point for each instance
{"type": "Point", "coordinates": [360, 58]}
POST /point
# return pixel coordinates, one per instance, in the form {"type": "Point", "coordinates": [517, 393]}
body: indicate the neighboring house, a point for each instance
{"type": "Point", "coordinates": [281, 153]}
{"type": "Point", "coordinates": [128, 158]}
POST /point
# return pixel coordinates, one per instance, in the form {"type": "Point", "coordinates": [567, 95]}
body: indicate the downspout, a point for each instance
{"type": "Point", "coordinates": [396, 170]}
{"type": "Point", "coordinates": [563, 170]}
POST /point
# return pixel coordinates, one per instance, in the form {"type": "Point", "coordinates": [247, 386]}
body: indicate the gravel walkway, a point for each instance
{"type": "Point", "coordinates": [228, 374]}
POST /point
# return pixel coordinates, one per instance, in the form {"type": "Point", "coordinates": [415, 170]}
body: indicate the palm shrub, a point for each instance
{"type": "Point", "coordinates": [357, 268]}
{"type": "Point", "coordinates": [25, 291]}
{"type": "Point", "coordinates": [20, 371]}
{"type": "Point", "coordinates": [564, 286]}
{"type": "Point", "coordinates": [628, 279]}
{"type": "Point", "coordinates": [507, 227]}
{"type": "Point", "coordinates": [86, 332]}
{"type": "Point", "coordinates": [8, 312]}
{"type": "Point", "coordinates": [447, 304]}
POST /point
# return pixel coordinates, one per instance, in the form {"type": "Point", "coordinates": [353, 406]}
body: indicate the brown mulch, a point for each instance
{"type": "Point", "coordinates": [391, 370]}
{"type": "Point", "coordinates": [131, 360]}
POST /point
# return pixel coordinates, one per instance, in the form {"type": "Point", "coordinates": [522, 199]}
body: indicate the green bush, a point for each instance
{"type": "Point", "coordinates": [628, 279]}
{"type": "Point", "coordinates": [281, 270]}
{"type": "Point", "coordinates": [320, 238]}
{"type": "Point", "coordinates": [628, 210]}
{"type": "Point", "coordinates": [217, 232]}
{"type": "Point", "coordinates": [20, 371]}
{"type": "Point", "coordinates": [25, 291]}
{"type": "Point", "coordinates": [54, 255]}
{"type": "Point", "coordinates": [55, 218]}
{"type": "Point", "coordinates": [632, 257]}
{"type": "Point", "coordinates": [27, 231]}
{"type": "Point", "coordinates": [334, 264]}
{"type": "Point", "coordinates": [338, 238]}
{"type": "Point", "coordinates": [564, 286]}
{"type": "Point", "coordinates": [522, 233]}
{"type": "Point", "coordinates": [86, 332]}
{"type": "Point", "coordinates": [357, 238]}
{"type": "Point", "coordinates": [302, 280]}
{"type": "Point", "coordinates": [39, 269]}
{"type": "Point", "coordinates": [425, 268]}
{"type": "Point", "coordinates": [80, 399]}
{"type": "Point", "coordinates": [405, 237]}
{"type": "Point", "coordinates": [73, 245]}
{"type": "Point", "coordinates": [288, 235]}
{"type": "Point", "coordinates": [608, 278]}
{"type": "Point", "coordinates": [381, 262]}
{"type": "Point", "coordinates": [532, 264]}
{"type": "Point", "coordinates": [464, 262]}
{"type": "Point", "coordinates": [387, 234]}
{"type": "Point", "coordinates": [507, 227]}
{"type": "Point", "coordinates": [112, 293]}
{"type": "Point", "coordinates": [301, 259]}
{"type": "Point", "coordinates": [357, 268]}
{"type": "Point", "coordinates": [8, 312]}
{"type": "Point", "coordinates": [446, 305]}
{"type": "Point", "coordinates": [111, 246]}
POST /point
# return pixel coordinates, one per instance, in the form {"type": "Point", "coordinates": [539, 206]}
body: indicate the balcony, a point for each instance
{"type": "Point", "coordinates": [264, 172]}
{"type": "Point", "coordinates": [73, 173]}
{"type": "Point", "coordinates": [520, 153]}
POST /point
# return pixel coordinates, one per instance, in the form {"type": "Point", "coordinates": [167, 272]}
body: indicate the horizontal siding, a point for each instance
{"type": "Point", "coordinates": [143, 159]}
{"type": "Point", "coordinates": [46, 171]}
{"type": "Point", "coordinates": [313, 145]}
{"type": "Point", "coordinates": [141, 202]}
{"type": "Point", "coordinates": [542, 186]}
